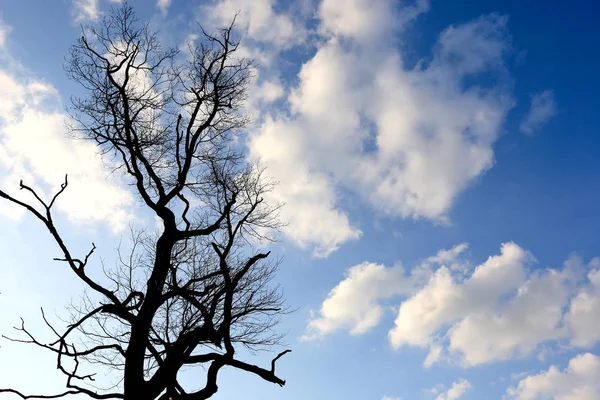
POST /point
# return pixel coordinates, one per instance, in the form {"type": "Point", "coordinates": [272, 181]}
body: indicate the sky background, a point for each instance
{"type": "Point", "coordinates": [439, 162]}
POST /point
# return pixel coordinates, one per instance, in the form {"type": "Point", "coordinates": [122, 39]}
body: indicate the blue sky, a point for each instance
{"type": "Point", "coordinates": [439, 164]}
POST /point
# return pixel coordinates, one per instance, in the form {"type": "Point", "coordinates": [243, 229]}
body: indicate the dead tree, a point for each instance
{"type": "Point", "coordinates": [192, 293]}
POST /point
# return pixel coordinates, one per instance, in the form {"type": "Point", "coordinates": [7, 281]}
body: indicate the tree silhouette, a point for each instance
{"type": "Point", "coordinates": [194, 292]}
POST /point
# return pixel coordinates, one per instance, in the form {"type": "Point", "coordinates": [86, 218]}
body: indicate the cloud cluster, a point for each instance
{"type": "Point", "coordinates": [470, 306]}
{"type": "Point", "coordinates": [259, 21]}
{"type": "Point", "coordinates": [365, 21]}
{"type": "Point", "coordinates": [579, 381]}
{"type": "Point", "coordinates": [356, 303]}
{"type": "Point", "coordinates": [360, 122]}
{"type": "Point", "coordinates": [500, 309]}
{"type": "Point", "coordinates": [34, 147]}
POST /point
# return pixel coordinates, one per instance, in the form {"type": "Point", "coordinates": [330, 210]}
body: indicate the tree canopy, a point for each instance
{"type": "Point", "coordinates": [194, 292]}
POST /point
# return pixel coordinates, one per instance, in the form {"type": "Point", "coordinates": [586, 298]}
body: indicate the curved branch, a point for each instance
{"type": "Point", "coordinates": [41, 396]}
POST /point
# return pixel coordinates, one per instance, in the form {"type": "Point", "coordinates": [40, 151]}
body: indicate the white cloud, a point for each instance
{"type": "Point", "coordinates": [263, 91]}
{"type": "Point", "coordinates": [579, 381]}
{"type": "Point", "coordinates": [503, 309]}
{"type": "Point", "coordinates": [163, 5]}
{"type": "Point", "coordinates": [34, 147]}
{"type": "Point", "coordinates": [448, 257]}
{"type": "Point", "coordinates": [531, 317]}
{"type": "Point", "coordinates": [437, 389]}
{"type": "Point", "coordinates": [86, 10]}
{"type": "Point", "coordinates": [406, 141]}
{"type": "Point", "coordinates": [268, 91]}
{"type": "Point", "coordinates": [258, 20]}
{"type": "Point", "coordinates": [582, 318]}
{"type": "Point", "coordinates": [498, 310]}
{"type": "Point", "coordinates": [434, 137]}
{"type": "Point", "coordinates": [475, 46]}
{"type": "Point", "coordinates": [4, 32]}
{"type": "Point", "coordinates": [436, 352]}
{"type": "Point", "coordinates": [89, 10]}
{"type": "Point", "coordinates": [456, 391]}
{"type": "Point", "coordinates": [390, 398]}
{"type": "Point", "coordinates": [443, 300]}
{"type": "Point", "coordinates": [309, 198]}
{"type": "Point", "coordinates": [364, 20]}
{"type": "Point", "coordinates": [356, 302]}
{"type": "Point", "coordinates": [542, 109]}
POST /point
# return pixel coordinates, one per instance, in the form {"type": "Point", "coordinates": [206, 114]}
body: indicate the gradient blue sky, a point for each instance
{"type": "Point", "coordinates": [439, 161]}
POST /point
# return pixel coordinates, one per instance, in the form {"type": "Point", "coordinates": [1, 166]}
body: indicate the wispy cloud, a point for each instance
{"type": "Point", "coordinates": [86, 10]}
{"type": "Point", "coordinates": [163, 5]}
{"type": "Point", "coordinates": [542, 109]}
{"type": "Point", "coordinates": [4, 32]}
{"type": "Point", "coordinates": [456, 391]}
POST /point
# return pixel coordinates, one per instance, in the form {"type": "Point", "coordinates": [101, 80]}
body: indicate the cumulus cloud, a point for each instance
{"type": "Point", "coordinates": [542, 109]}
{"type": "Point", "coordinates": [356, 303]}
{"type": "Point", "coordinates": [456, 391]}
{"type": "Point", "coordinates": [365, 21]}
{"type": "Point", "coordinates": [259, 20]}
{"type": "Point", "coordinates": [503, 308]}
{"type": "Point", "coordinates": [582, 318]}
{"type": "Point", "coordinates": [531, 317]}
{"type": "Point", "coordinates": [579, 381]}
{"type": "Point", "coordinates": [267, 92]}
{"type": "Point", "coordinates": [433, 135]}
{"type": "Point", "coordinates": [444, 300]}
{"type": "Point", "coordinates": [34, 147]}
{"type": "Point", "coordinates": [309, 198]}
{"type": "Point", "coordinates": [405, 140]}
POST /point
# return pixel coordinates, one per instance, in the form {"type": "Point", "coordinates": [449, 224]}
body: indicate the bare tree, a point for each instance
{"type": "Point", "coordinates": [192, 293]}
